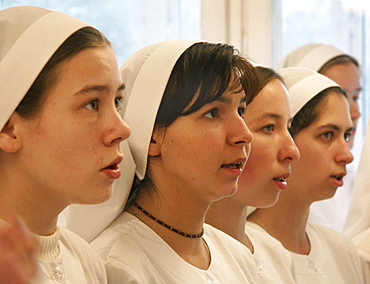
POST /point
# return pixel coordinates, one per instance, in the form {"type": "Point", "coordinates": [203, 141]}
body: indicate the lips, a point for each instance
{"type": "Point", "coordinates": [337, 177]}
{"type": "Point", "coordinates": [112, 170]}
{"type": "Point", "coordinates": [238, 165]}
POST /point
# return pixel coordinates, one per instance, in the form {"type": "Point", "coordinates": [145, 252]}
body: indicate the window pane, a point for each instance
{"type": "Point", "coordinates": [130, 24]}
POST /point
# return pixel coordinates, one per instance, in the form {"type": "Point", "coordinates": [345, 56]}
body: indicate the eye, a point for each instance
{"type": "Point", "coordinates": [93, 105]}
{"type": "Point", "coordinates": [269, 128]}
{"type": "Point", "coordinates": [118, 102]}
{"type": "Point", "coordinates": [356, 98]}
{"type": "Point", "coordinates": [213, 113]}
{"type": "Point", "coordinates": [327, 135]}
{"type": "Point", "coordinates": [241, 111]}
{"type": "Point", "coordinates": [347, 136]}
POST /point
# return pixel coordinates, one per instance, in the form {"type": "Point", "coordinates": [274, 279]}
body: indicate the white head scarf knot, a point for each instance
{"type": "Point", "coordinates": [312, 56]}
{"type": "Point", "coordinates": [303, 84]}
{"type": "Point", "coordinates": [145, 75]}
{"type": "Point", "coordinates": [29, 37]}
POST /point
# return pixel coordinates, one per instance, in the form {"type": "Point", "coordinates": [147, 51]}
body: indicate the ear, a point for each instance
{"type": "Point", "coordinates": [9, 140]}
{"type": "Point", "coordinates": [155, 142]}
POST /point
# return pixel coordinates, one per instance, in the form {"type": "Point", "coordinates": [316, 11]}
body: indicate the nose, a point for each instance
{"type": "Point", "coordinates": [344, 154]}
{"type": "Point", "coordinates": [117, 130]}
{"type": "Point", "coordinates": [288, 151]}
{"type": "Point", "coordinates": [354, 109]}
{"type": "Point", "coordinates": [240, 133]}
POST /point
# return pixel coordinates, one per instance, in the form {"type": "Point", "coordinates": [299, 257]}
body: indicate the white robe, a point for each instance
{"type": "Point", "coordinates": [134, 253]}
{"type": "Point", "coordinates": [333, 258]}
{"type": "Point", "coordinates": [76, 262]}
{"type": "Point", "coordinates": [274, 262]}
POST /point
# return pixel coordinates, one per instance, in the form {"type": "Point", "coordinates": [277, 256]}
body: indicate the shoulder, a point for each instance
{"type": "Point", "coordinates": [119, 233]}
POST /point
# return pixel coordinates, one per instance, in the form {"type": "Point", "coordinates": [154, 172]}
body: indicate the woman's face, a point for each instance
{"type": "Point", "coordinates": [268, 117]}
{"type": "Point", "coordinates": [324, 152]}
{"type": "Point", "coordinates": [201, 155]}
{"type": "Point", "coordinates": [71, 148]}
{"type": "Point", "coordinates": [348, 76]}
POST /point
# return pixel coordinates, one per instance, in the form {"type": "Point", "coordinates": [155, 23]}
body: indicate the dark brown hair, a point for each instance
{"type": "Point", "coordinates": [311, 110]}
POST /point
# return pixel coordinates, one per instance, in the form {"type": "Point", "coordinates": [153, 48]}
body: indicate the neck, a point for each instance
{"type": "Point", "coordinates": [40, 216]}
{"type": "Point", "coordinates": [193, 250]}
{"type": "Point", "coordinates": [286, 223]}
{"type": "Point", "coordinates": [230, 217]}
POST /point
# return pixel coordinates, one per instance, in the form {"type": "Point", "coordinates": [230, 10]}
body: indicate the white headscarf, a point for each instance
{"type": "Point", "coordinates": [303, 84]}
{"type": "Point", "coordinates": [29, 37]}
{"type": "Point", "coordinates": [145, 75]}
{"type": "Point", "coordinates": [312, 56]}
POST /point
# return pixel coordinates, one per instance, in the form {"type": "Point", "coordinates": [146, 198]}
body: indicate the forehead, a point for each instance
{"type": "Point", "coordinates": [273, 97]}
{"type": "Point", "coordinates": [334, 108]}
{"type": "Point", "coordinates": [345, 74]}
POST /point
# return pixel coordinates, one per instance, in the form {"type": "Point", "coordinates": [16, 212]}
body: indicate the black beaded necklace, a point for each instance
{"type": "Point", "coordinates": [164, 224]}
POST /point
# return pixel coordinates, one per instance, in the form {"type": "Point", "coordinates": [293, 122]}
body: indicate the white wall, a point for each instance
{"type": "Point", "coordinates": [246, 24]}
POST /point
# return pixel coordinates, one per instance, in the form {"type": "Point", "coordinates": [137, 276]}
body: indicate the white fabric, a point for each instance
{"type": "Point", "coordinates": [29, 37]}
{"type": "Point", "coordinates": [89, 220]}
{"type": "Point", "coordinates": [76, 263]}
{"type": "Point", "coordinates": [274, 262]}
{"type": "Point", "coordinates": [333, 258]}
{"type": "Point", "coordinates": [134, 253]}
{"type": "Point", "coordinates": [312, 56]}
{"type": "Point", "coordinates": [363, 245]}
{"type": "Point", "coordinates": [358, 219]}
{"type": "Point", "coordinates": [146, 73]}
{"type": "Point", "coordinates": [357, 226]}
{"type": "Point", "coordinates": [304, 84]}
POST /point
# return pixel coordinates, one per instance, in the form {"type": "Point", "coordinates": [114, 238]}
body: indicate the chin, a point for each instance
{"type": "Point", "coordinates": [268, 202]}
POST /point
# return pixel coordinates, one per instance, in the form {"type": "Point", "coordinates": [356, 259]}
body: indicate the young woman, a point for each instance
{"type": "Point", "coordinates": [320, 128]}
{"type": "Point", "coordinates": [60, 132]}
{"type": "Point", "coordinates": [268, 116]}
{"type": "Point", "coordinates": [343, 69]}
{"type": "Point", "coordinates": [190, 144]}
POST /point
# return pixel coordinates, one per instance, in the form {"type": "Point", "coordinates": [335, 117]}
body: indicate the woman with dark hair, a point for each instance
{"type": "Point", "coordinates": [60, 132]}
{"type": "Point", "coordinates": [189, 141]}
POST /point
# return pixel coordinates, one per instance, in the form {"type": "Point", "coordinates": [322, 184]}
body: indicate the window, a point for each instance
{"type": "Point", "coordinates": [130, 24]}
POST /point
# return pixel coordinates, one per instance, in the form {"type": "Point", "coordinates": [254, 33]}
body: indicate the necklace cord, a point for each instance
{"type": "Point", "coordinates": [160, 222]}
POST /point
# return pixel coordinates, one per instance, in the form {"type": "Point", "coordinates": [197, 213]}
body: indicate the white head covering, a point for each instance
{"type": "Point", "coordinates": [303, 84]}
{"type": "Point", "coordinates": [145, 75]}
{"type": "Point", "coordinates": [29, 37]}
{"type": "Point", "coordinates": [312, 56]}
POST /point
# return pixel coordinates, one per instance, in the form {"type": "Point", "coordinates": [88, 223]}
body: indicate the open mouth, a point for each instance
{"type": "Point", "coordinates": [233, 165]}
{"type": "Point", "coordinates": [113, 166]}
{"type": "Point", "coordinates": [337, 177]}
{"type": "Point", "coordinates": [282, 179]}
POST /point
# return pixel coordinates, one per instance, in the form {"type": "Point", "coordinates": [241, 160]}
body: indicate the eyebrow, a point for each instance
{"type": "Point", "coordinates": [269, 115]}
{"type": "Point", "coordinates": [334, 127]}
{"type": "Point", "coordinates": [227, 100]}
{"type": "Point", "coordinates": [97, 88]}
